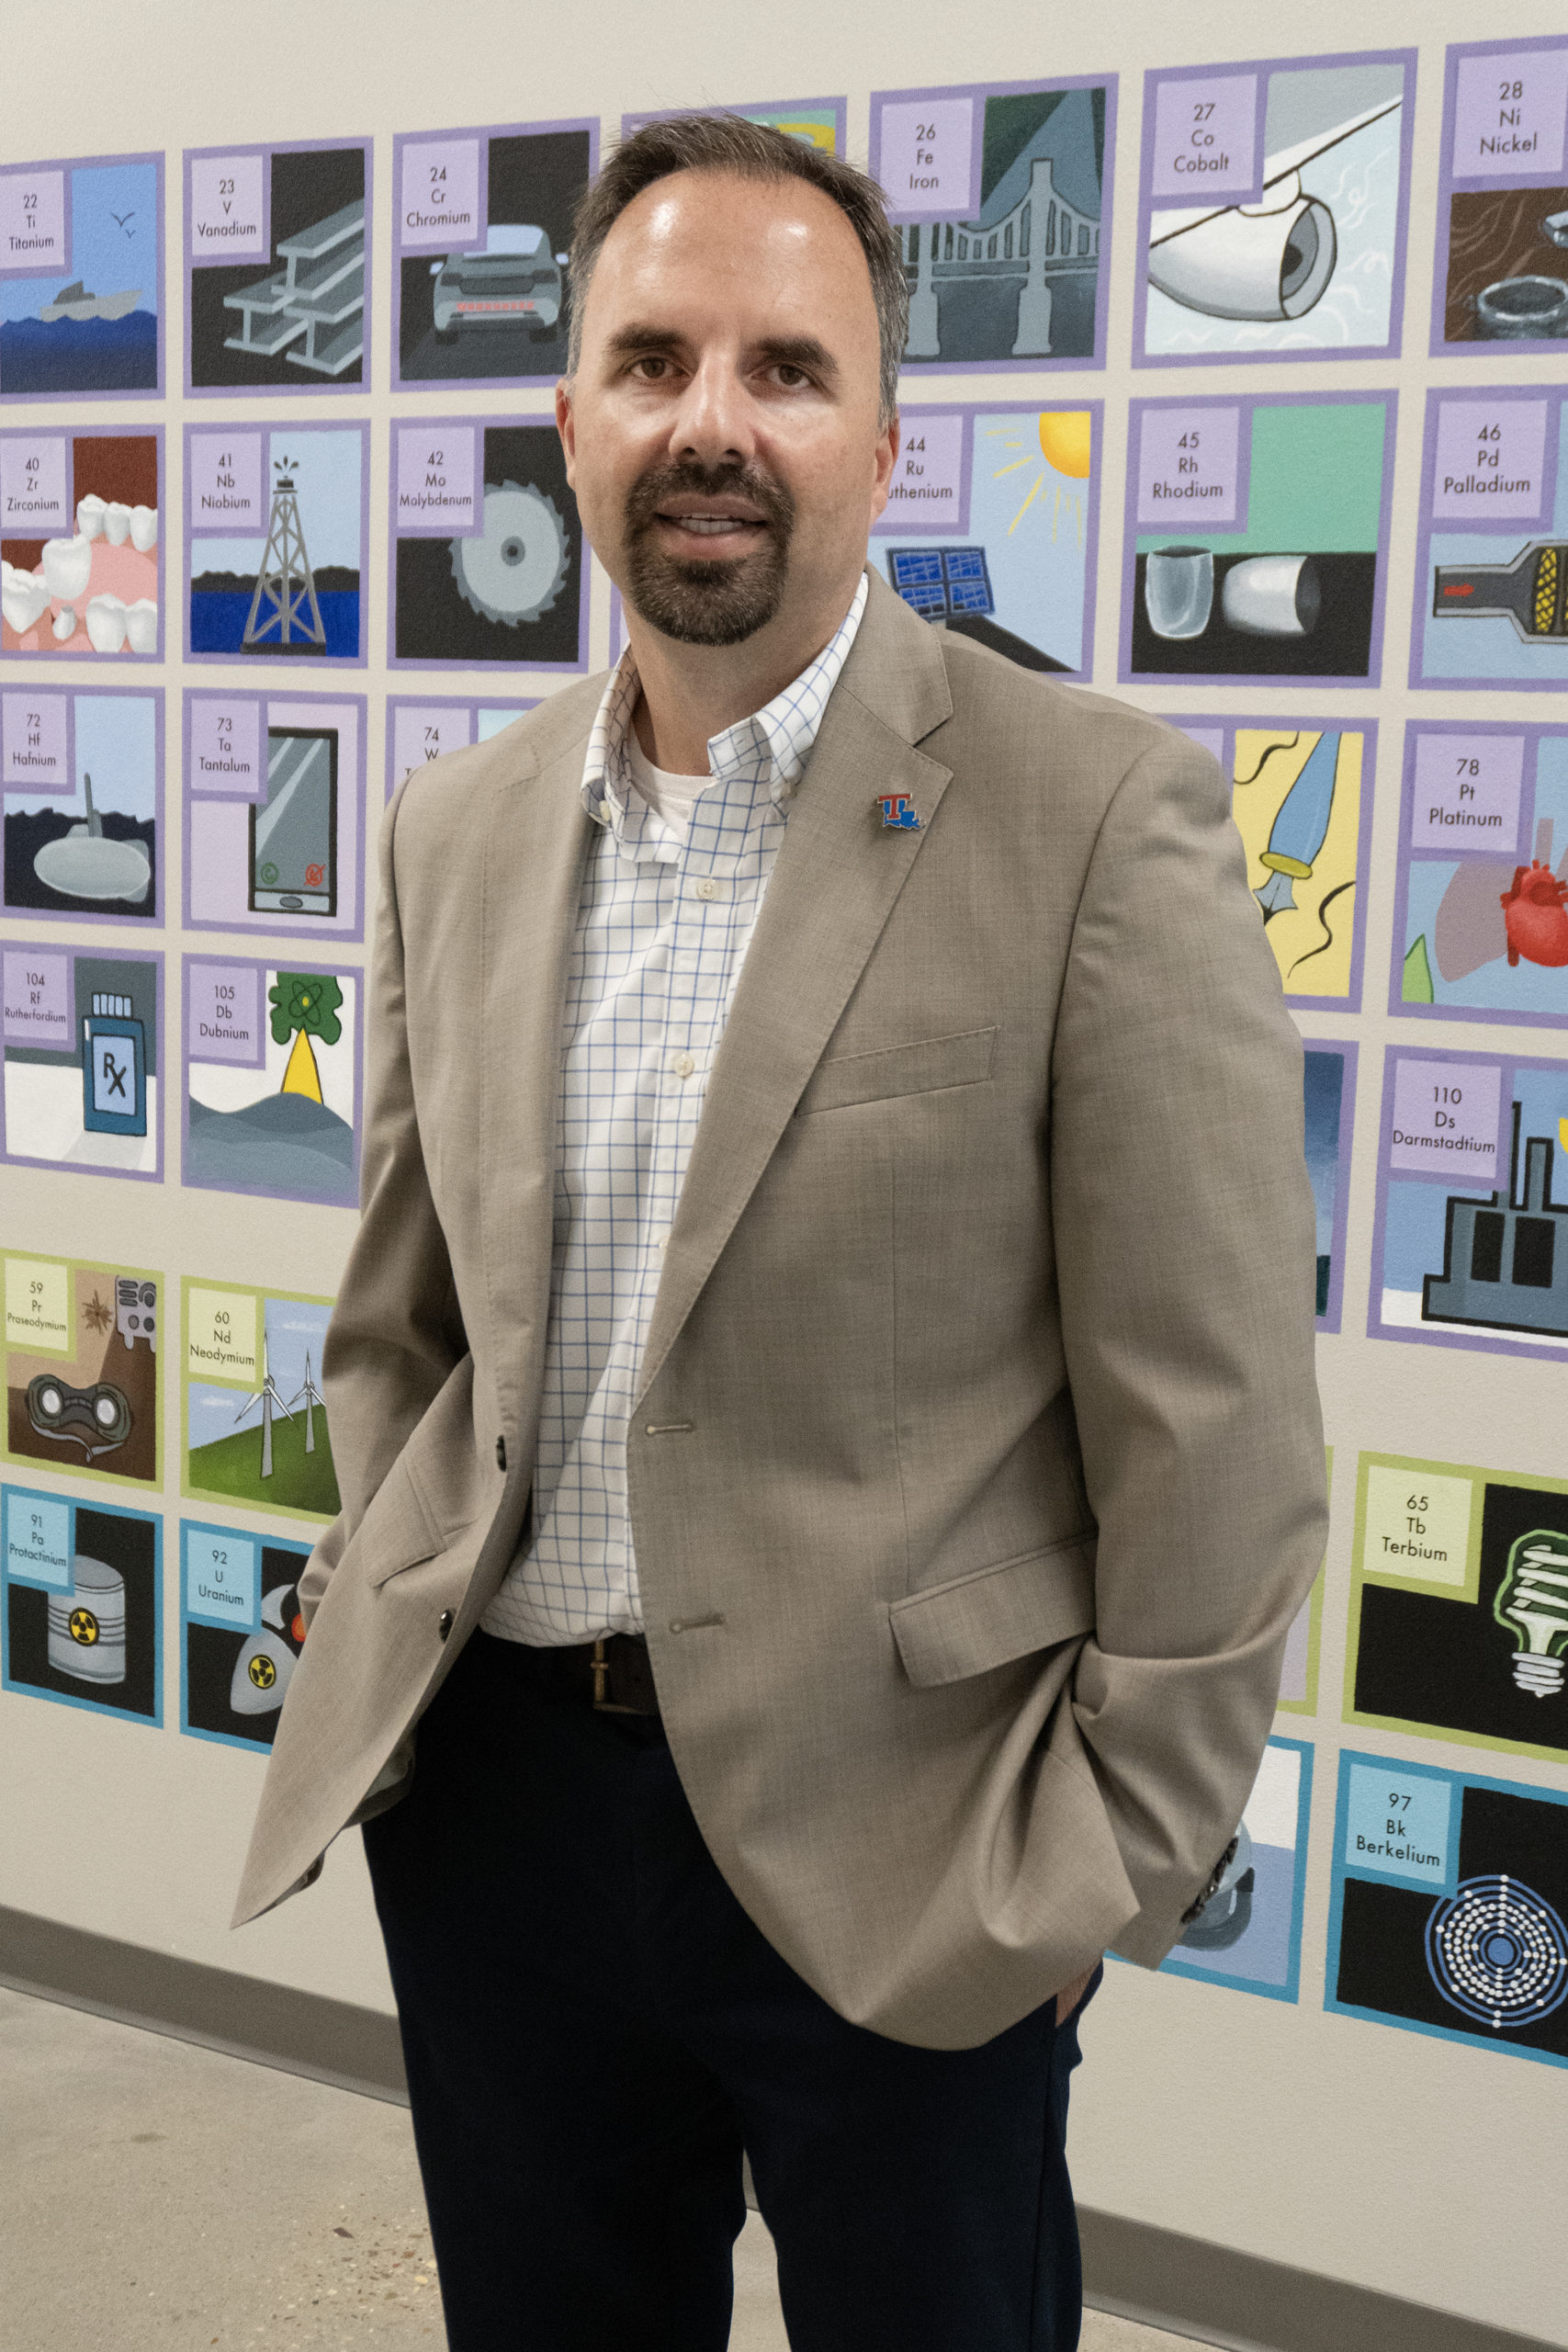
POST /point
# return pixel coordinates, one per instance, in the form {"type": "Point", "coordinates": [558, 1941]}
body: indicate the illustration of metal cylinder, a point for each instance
{"type": "Point", "coordinates": [1522, 310]}
{"type": "Point", "coordinates": [87, 1625]}
{"type": "Point", "coordinates": [1248, 261]}
{"type": "Point", "coordinates": [1272, 596]}
{"type": "Point", "coordinates": [1178, 591]}
{"type": "Point", "coordinates": [1528, 592]}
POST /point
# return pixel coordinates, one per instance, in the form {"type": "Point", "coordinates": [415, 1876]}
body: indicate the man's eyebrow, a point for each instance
{"type": "Point", "coordinates": [802, 351]}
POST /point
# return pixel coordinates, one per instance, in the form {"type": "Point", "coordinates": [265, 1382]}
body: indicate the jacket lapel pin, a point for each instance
{"type": "Point", "coordinates": [898, 812]}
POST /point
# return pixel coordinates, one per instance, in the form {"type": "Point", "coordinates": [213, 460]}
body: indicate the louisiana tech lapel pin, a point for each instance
{"type": "Point", "coordinates": [898, 812]}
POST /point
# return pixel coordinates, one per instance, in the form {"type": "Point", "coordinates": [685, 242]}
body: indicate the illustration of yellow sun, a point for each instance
{"type": "Point", "coordinates": [1066, 446]}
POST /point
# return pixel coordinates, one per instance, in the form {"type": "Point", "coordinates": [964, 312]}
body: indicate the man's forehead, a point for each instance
{"type": "Point", "coordinates": [721, 214]}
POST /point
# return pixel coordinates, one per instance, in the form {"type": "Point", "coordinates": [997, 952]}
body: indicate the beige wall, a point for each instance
{"type": "Point", "coordinates": [1429, 2170]}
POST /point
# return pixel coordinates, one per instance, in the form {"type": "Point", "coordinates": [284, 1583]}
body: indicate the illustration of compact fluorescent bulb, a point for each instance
{"type": "Point", "coordinates": [1532, 1602]}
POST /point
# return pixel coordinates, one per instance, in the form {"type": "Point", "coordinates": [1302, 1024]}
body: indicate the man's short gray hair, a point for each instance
{"type": "Point", "coordinates": [750, 151]}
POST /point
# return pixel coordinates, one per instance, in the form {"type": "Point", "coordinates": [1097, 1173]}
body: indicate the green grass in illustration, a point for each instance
{"type": "Point", "coordinates": [299, 1481]}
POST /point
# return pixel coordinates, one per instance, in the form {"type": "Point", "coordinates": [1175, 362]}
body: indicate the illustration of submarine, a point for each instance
{"type": "Point", "coordinates": [74, 302]}
{"type": "Point", "coordinates": [86, 863]}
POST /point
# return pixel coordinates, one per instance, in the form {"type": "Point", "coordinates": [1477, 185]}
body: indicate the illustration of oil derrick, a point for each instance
{"type": "Point", "coordinates": [285, 598]}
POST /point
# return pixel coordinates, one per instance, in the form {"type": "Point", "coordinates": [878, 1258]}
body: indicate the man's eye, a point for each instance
{"type": "Point", "coordinates": [650, 366]}
{"type": "Point", "coordinates": [789, 377]}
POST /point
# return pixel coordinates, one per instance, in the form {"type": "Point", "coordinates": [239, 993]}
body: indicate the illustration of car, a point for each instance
{"type": "Point", "coordinates": [512, 280]}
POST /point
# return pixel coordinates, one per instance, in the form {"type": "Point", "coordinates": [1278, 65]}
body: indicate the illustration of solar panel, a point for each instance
{"type": "Point", "coordinates": [941, 582]}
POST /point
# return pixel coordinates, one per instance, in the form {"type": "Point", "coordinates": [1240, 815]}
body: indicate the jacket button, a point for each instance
{"type": "Point", "coordinates": [501, 1453]}
{"type": "Point", "coordinates": [444, 1624]}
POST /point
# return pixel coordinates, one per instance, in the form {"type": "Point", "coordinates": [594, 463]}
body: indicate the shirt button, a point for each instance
{"type": "Point", "coordinates": [708, 887]}
{"type": "Point", "coordinates": [682, 1065]}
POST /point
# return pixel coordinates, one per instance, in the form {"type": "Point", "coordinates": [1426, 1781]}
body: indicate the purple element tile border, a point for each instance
{"type": "Point", "coordinates": [131, 432]}
{"type": "Point", "coordinates": [1533, 733]}
{"type": "Point", "coordinates": [274, 664]}
{"type": "Point", "coordinates": [1504, 528]}
{"type": "Point", "coordinates": [634, 122]}
{"type": "Point", "coordinates": [270, 691]}
{"type": "Point", "coordinates": [260, 966]}
{"type": "Point", "coordinates": [576, 669]}
{"type": "Point", "coordinates": [56, 163]}
{"type": "Point", "coordinates": [472, 704]}
{"type": "Point", "coordinates": [313, 386]}
{"type": "Point", "coordinates": [982, 90]}
{"type": "Point", "coordinates": [617, 627]}
{"type": "Point", "coordinates": [1127, 675]}
{"type": "Point", "coordinates": [1096, 409]}
{"type": "Point", "coordinates": [153, 1175]}
{"type": "Point", "coordinates": [1263, 67]}
{"type": "Point", "coordinates": [1447, 1335]}
{"type": "Point", "coordinates": [1330, 1320]}
{"type": "Point", "coordinates": [1367, 729]}
{"type": "Point", "coordinates": [1450, 183]}
{"type": "Point", "coordinates": [916, 526]}
{"type": "Point", "coordinates": [485, 131]}
{"type": "Point", "coordinates": [153, 695]}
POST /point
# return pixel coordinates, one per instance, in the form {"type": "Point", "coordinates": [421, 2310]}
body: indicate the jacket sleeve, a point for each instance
{"type": "Point", "coordinates": [1186, 1249]}
{"type": "Point", "coordinates": [396, 1332]}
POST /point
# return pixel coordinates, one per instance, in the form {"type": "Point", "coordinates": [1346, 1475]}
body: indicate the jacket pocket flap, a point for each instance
{"type": "Point", "coordinates": [918, 1069]}
{"type": "Point", "coordinates": [398, 1531]}
{"type": "Point", "coordinates": [991, 1616]}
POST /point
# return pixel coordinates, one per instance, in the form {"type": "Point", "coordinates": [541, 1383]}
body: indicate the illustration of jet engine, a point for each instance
{"type": "Point", "coordinates": [517, 567]}
{"type": "Point", "coordinates": [1529, 592]}
{"type": "Point", "coordinates": [1272, 260]}
{"type": "Point", "coordinates": [87, 1625]}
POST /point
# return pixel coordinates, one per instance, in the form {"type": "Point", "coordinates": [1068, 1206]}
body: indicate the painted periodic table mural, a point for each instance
{"type": "Point", "coordinates": [1297, 484]}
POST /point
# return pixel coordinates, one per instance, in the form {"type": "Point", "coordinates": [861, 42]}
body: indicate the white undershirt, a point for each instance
{"type": "Point", "coordinates": [672, 798]}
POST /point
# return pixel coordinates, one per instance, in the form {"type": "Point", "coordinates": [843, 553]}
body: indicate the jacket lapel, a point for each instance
{"type": "Point", "coordinates": [536, 850]}
{"type": "Point", "coordinates": [838, 874]}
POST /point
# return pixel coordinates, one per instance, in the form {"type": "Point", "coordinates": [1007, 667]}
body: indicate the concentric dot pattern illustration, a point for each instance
{"type": "Point", "coordinates": [1498, 1952]}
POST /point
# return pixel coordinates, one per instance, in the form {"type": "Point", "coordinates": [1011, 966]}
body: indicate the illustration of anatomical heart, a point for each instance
{"type": "Point", "coordinates": [1535, 914]}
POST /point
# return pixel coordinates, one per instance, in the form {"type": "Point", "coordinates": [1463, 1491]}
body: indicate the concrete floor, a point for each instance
{"type": "Point", "coordinates": [158, 2198]}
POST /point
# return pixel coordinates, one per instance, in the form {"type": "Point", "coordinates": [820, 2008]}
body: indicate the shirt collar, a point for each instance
{"type": "Point", "coordinates": [772, 747]}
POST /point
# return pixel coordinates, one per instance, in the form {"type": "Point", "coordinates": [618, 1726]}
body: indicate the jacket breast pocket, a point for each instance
{"type": "Point", "coordinates": [995, 1614]}
{"type": "Point", "coordinates": [962, 1059]}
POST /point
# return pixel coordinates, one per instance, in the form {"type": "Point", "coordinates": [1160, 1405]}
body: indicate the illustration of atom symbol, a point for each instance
{"type": "Point", "coordinates": [1498, 1952]}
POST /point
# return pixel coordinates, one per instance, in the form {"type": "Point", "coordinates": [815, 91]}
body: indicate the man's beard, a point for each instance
{"type": "Point", "coordinates": [724, 600]}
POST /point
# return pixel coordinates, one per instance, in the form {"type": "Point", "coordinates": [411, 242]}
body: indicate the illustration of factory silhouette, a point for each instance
{"type": "Point", "coordinates": [987, 289]}
{"type": "Point", "coordinates": [1502, 1262]}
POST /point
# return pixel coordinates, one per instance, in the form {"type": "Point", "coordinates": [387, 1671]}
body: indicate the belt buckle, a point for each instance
{"type": "Point", "coordinates": [600, 1664]}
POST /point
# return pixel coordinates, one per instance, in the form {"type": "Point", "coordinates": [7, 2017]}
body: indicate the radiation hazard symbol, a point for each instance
{"type": "Point", "coordinates": [263, 1672]}
{"type": "Point", "coordinates": [83, 1627]}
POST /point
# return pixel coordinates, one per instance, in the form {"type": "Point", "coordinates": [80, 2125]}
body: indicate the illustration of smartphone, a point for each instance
{"type": "Point", "coordinates": [294, 828]}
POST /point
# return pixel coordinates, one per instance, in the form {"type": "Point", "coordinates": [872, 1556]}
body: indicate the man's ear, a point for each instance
{"type": "Point", "coordinates": [886, 457]}
{"type": "Point", "coordinates": [566, 425]}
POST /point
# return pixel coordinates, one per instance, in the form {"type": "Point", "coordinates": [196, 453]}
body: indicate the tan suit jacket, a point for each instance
{"type": "Point", "coordinates": [976, 1472]}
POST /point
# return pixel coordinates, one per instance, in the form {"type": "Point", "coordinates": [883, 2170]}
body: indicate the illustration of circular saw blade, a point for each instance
{"type": "Point", "coordinates": [516, 568]}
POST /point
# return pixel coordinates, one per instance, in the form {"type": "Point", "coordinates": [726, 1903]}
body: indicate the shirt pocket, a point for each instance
{"type": "Point", "coordinates": [962, 1059]}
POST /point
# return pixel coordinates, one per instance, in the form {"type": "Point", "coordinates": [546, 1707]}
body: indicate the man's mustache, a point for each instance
{"type": "Point", "coordinates": [687, 479]}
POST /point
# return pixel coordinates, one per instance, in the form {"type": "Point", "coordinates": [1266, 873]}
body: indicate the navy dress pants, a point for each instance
{"type": "Point", "coordinates": [595, 2031]}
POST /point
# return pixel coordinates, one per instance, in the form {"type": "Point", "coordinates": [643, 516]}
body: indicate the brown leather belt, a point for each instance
{"type": "Point", "coordinates": [613, 1675]}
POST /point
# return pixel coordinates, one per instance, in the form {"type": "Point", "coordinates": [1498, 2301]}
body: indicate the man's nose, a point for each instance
{"type": "Point", "coordinates": [714, 420]}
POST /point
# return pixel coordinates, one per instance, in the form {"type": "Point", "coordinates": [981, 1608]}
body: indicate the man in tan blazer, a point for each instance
{"type": "Point", "coordinates": [822, 1394]}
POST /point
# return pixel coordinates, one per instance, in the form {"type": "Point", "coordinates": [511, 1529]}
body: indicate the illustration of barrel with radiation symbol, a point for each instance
{"type": "Point", "coordinates": [87, 1625]}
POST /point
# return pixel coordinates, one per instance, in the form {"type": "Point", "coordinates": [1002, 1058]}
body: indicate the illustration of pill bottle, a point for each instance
{"type": "Point", "coordinates": [114, 1068]}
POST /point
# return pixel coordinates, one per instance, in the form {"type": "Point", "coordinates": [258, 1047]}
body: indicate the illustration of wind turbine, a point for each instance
{"type": "Point", "coordinates": [270, 1402]}
{"type": "Point", "coordinates": [311, 1396]}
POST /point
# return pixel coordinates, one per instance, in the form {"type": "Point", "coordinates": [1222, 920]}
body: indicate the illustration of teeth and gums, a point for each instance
{"type": "Point", "coordinates": [112, 550]}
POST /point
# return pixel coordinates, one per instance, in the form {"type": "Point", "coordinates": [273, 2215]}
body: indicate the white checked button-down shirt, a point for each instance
{"type": "Point", "coordinates": [667, 913]}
